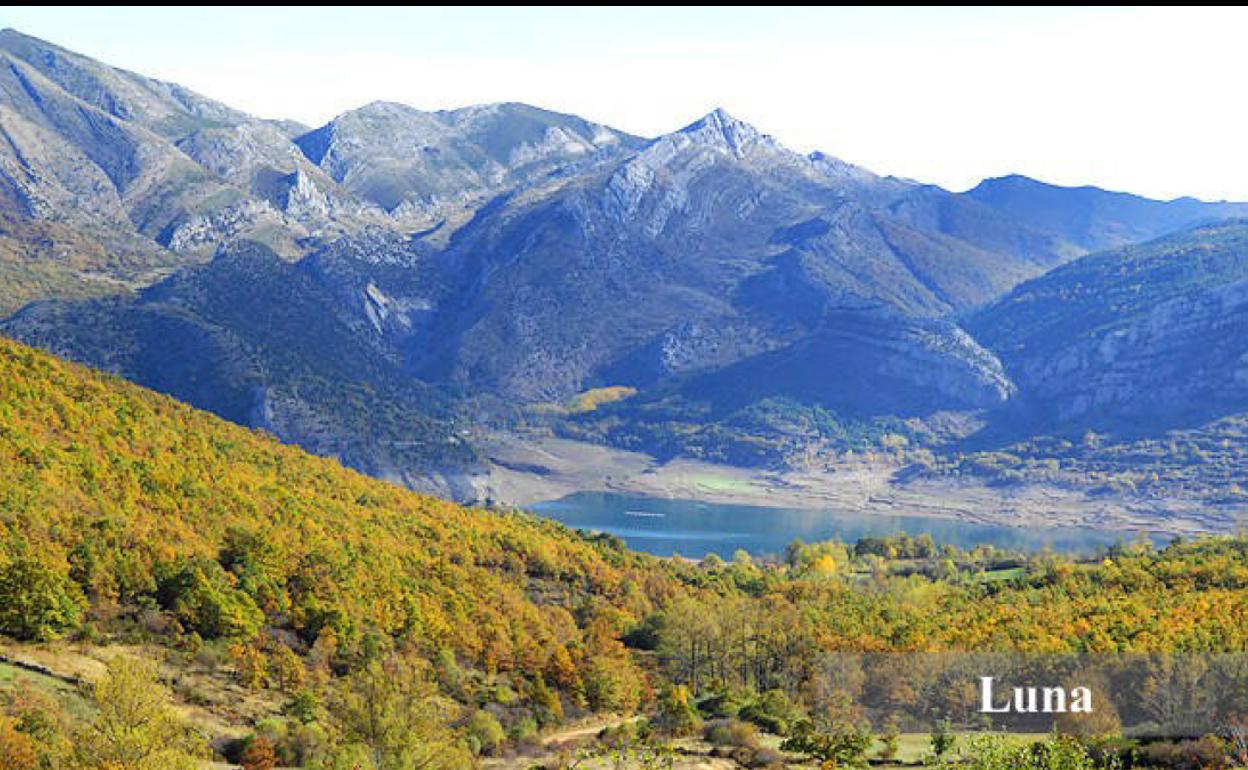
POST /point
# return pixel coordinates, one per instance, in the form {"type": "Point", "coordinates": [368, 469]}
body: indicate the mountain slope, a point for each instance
{"type": "Point", "coordinates": [1146, 335]}
{"type": "Point", "coordinates": [714, 238]}
{"type": "Point", "coordinates": [138, 164]}
{"type": "Point", "coordinates": [258, 341]}
{"type": "Point", "coordinates": [502, 259]}
{"type": "Point", "coordinates": [102, 150]}
{"type": "Point", "coordinates": [166, 109]}
{"type": "Point", "coordinates": [285, 606]}
{"type": "Point", "coordinates": [706, 254]}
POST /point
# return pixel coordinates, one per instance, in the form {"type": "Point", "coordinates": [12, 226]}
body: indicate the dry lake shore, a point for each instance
{"type": "Point", "coordinates": [528, 471]}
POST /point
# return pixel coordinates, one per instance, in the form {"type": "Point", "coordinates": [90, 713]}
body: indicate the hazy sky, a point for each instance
{"type": "Point", "coordinates": [1151, 101]}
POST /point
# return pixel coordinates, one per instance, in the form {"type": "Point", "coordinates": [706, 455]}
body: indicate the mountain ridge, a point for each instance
{"type": "Point", "coordinates": [503, 259]}
{"type": "Point", "coordinates": [1102, 218]}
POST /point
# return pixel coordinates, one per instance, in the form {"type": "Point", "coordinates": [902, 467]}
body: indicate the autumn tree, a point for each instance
{"type": "Point", "coordinates": [689, 633]}
{"type": "Point", "coordinates": [260, 754]}
{"type": "Point", "coordinates": [389, 712]}
{"type": "Point", "coordinates": [136, 726]}
{"type": "Point", "coordinates": [1102, 722]}
{"type": "Point", "coordinates": [37, 602]}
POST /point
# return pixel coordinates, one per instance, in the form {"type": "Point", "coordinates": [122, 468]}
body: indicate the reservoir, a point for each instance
{"type": "Point", "coordinates": [693, 528]}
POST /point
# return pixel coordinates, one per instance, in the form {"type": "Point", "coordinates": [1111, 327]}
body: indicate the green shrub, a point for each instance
{"type": "Point", "coordinates": [772, 711]}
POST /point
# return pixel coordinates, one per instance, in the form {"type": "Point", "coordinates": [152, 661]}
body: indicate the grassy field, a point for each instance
{"type": "Point", "coordinates": [913, 747]}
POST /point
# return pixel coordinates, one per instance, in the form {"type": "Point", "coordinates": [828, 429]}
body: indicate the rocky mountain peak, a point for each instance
{"type": "Point", "coordinates": [383, 108]}
{"type": "Point", "coordinates": [719, 130]}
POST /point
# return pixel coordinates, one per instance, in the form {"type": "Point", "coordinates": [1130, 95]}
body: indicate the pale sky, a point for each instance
{"type": "Point", "coordinates": [1150, 101]}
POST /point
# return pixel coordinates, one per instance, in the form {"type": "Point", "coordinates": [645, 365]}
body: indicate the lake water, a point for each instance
{"type": "Point", "coordinates": [694, 529]}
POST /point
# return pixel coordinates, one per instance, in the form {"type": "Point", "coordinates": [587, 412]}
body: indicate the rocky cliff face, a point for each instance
{"type": "Point", "coordinates": [425, 167]}
{"type": "Point", "coordinates": [1182, 360]}
{"type": "Point", "coordinates": [1146, 335]}
{"type": "Point", "coordinates": [863, 363]}
{"type": "Point", "coordinates": [86, 140]}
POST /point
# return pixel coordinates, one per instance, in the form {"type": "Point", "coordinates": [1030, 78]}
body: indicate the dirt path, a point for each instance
{"type": "Point", "coordinates": [584, 731]}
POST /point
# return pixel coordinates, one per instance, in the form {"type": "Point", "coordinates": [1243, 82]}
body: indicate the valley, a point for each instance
{"type": "Point", "coordinates": [507, 304]}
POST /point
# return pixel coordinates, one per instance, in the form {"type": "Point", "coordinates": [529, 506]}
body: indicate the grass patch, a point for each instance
{"type": "Point", "coordinates": [714, 482]}
{"type": "Point", "coordinates": [993, 576]}
{"type": "Point", "coordinates": [11, 677]}
{"type": "Point", "coordinates": [912, 747]}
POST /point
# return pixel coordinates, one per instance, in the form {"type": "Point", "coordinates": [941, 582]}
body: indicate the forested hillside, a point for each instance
{"type": "Point", "coordinates": [120, 498]}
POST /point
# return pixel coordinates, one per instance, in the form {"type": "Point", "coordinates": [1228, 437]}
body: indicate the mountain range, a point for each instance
{"type": "Point", "coordinates": [392, 286]}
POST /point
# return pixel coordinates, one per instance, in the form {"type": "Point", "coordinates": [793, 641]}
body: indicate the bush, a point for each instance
{"type": "Point", "coordinates": [772, 711]}
{"type": "Point", "coordinates": [993, 752]}
{"type": "Point", "coordinates": [843, 749]}
{"type": "Point", "coordinates": [890, 739]}
{"type": "Point", "coordinates": [485, 732]}
{"type": "Point", "coordinates": [724, 705]}
{"type": "Point", "coordinates": [17, 749]}
{"type": "Point", "coordinates": [731, 732]}
{"type": "Point", "coordinates": [1207, 753]}
{"type": "Point", "coordinates": [304, 706]}
{"type": "Point", "coordinates": [942, 739]}
{"type": "Point", "coordinates": [259, 755]}
{"type": "Point", "coordinates": [677, 716]}
{"type": "Point", "coordinates": [646, 634]}
{"type": "Point", "coordinates": [525, 731]}
{"type": "Point", "coordinates": [135, 716]}
{"type": "Point", "coordinates": [766, 757]}
{"type": "Point", "coordinates": [547, 707]}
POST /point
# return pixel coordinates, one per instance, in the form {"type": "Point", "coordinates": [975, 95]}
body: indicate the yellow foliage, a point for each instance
{"type": "Point", "coordinates": [131, 486]}
{"type": "Point", "coordinates": [596, 397]}
{"type": "Point", "coordinates": [824, 566]}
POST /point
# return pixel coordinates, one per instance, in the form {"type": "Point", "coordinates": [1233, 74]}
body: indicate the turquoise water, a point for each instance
{"type": "Point", "coordinates": [692, 528]}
